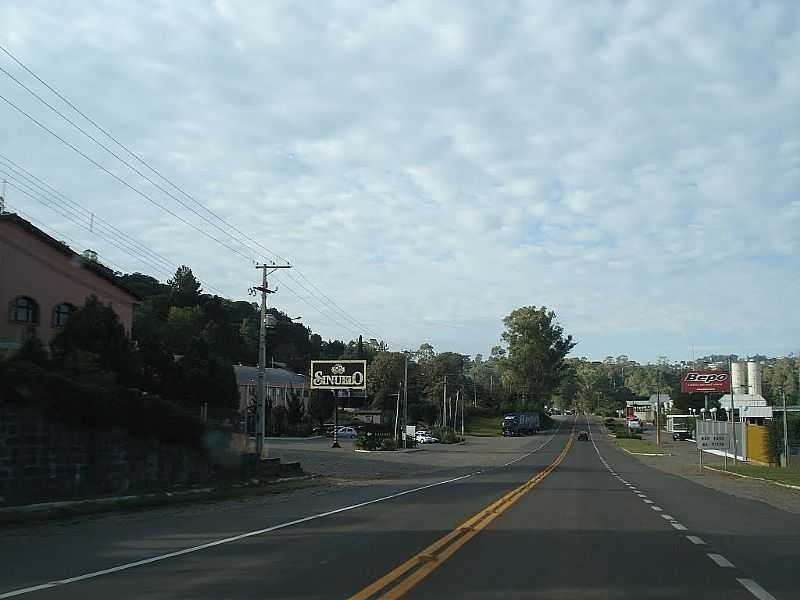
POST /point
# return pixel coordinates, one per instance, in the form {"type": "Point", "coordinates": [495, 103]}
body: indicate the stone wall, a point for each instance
{"type": "Point", "coordinates": [43, 460]}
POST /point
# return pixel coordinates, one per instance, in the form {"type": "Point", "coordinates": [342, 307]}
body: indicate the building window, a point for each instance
{"type": "Point", "coordinates": [24, 310]}
{"type": "Point", "coordinates": [61, 313]}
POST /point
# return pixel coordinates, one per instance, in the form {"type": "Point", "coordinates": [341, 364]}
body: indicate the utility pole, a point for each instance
{"type": "Point", "coordinates": [658, 408]}
{"type": "Point", "coordinates": [397, 411]}
{"type": "Point", "coordinates": [262, 352]}
{"type": "Point", "coordinates": [463, 439]}
{"type": "Point", "coordinates": [732, 417]}
{"type": "Point", "coordinates": [405, 401]}
{"type": "Point", "coordinates": [785, 428]}
{"type": "Point", "coordinates": [3, 198]}
{"type": "Point", "coordinates": [444, 404]}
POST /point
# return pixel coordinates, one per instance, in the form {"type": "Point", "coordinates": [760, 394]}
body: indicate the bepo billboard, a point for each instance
{"type": "Point", "coordinates": [707, 382]}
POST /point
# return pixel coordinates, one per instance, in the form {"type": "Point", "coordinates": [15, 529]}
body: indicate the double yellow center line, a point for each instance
{"type": "Point", "coordinates": [400, 580]}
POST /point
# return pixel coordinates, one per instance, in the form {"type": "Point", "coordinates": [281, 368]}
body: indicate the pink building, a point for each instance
{"type": "Point", "coordinates": [42, 281]}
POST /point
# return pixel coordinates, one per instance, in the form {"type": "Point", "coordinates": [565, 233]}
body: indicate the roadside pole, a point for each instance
{"type": "Point", "coordinates": [701, 461]}
{"type": "Point", "coordinates": [397, 413]}
{"type": "Point", "coordinates": [405, 402]}
{"type": "Point", "coordinates": [262, 354]}
{"type": "Point", "coordinates": [463, 439]}
{"type": "Point", "coordinates": [335, 420]}
{"type": "Point", "coordinates": [785, 429]}
{"type": "Point", "coordinates": [658, 409]}
{"type": "Point", "coordinates": [444, 404]}
{"type": "Point", "coordinates": [455, 412]}
{"type": "Point", "coordinates": [732, 417]}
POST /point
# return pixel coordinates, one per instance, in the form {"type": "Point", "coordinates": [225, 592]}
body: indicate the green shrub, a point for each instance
{"type": "Point", "coordinates": [411, 441]}
{"type": "Point", "coordinates": [388, 444]}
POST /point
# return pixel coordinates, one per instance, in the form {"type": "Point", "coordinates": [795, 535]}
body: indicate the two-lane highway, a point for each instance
{"type": "Point", "coordinates": [562, 518]}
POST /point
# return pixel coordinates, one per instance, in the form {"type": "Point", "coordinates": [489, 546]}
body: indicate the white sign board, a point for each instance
{"type": "Point", "coordinates": [712, 441]}
{"type": "Point", "coordinates": [411, 430]}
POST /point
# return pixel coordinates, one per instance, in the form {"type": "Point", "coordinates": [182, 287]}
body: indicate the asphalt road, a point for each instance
{"type": "Point", "coordinates": [575, 529]}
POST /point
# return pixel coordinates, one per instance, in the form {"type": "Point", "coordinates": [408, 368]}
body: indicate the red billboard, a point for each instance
{"type": "Point", "coordinates": [708, 382]}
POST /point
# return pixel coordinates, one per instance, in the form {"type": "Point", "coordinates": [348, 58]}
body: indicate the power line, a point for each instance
{"type": "Point", "coordinates": [93, 220]}
{"type": "Point", "coordinates": [120, 180]}
{"type": "Point", "coordinates": [70, 216]}
{"type": "Point", "coordinates": [326, 298]}
{"type": "Point", "coordinates": [109, 135]}
{"type": "Point", "coordinates": [60, 235]}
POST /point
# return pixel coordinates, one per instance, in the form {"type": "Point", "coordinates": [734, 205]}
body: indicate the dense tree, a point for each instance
{"type": "Point", "coordinates": [94, 336]}
{"type": "Point", "coordinates": [537, 347]}
{"type": "Point", "coordinates": [185, 287]}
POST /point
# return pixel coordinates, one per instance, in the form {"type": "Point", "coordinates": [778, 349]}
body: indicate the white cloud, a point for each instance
{"type": "Point", "coordinates": [432, 166]}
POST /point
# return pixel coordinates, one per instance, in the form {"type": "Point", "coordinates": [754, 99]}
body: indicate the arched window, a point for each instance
{"type": "Point", "coordinates": [61, 313]}
{"type": "Point", "coordinates": [24, 310]}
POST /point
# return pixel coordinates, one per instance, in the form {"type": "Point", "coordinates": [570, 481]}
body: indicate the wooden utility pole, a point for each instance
{"type": "Point", "coordinates": [262, 353]}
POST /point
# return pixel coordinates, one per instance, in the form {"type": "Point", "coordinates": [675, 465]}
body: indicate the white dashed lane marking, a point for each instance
{"type": "Point", "coordinates": [721, 561]}
{"type": "Point", "coordinates": [755, 589]}
{"type": "Point", "coordinates": [749, 584]}
{"type": "Point", "coordinates": [695, 540]}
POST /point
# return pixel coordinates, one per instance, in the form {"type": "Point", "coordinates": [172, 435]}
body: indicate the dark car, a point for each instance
{"type": "Point", "coordinates": [583, 436]}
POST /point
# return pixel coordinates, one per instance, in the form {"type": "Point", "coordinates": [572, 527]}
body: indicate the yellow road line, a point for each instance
{"type": "Point", "coordinates": [425, 562]}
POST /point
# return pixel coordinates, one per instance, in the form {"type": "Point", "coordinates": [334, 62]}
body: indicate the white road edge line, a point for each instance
{"type": "Point", "coordinates": [721, 561]}
{"type": "Point", "coordinates": [248, 534]}
{"type": "Point", "coordinates": [695, 540]}
{"type": "Point", "coordinates": [755, 589]}
{"type": "Point", "coordinates": [678, 526]}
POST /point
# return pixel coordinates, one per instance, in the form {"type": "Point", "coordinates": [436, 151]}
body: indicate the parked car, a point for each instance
{"type": "Point", "coordinates": [583, 436]}
{"type": "Point", "coordinates": [346, 432]}
{"type": "Point", "coordinates": [426, 438]}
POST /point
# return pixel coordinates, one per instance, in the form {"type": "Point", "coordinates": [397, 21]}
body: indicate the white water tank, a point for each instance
{"type": "Point", "coordinates": [738, 381]}
{"type": "Point", "coordinates": [754, 377]}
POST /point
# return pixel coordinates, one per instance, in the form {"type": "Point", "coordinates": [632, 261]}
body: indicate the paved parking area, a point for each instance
{"type": "Point", "coordinates": [317, 457]}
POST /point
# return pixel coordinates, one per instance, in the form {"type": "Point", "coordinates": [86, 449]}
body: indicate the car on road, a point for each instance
{"type": "Point", "coordinates": [583, 436]}
{"type": "Point", "coordinates": [346, 432]}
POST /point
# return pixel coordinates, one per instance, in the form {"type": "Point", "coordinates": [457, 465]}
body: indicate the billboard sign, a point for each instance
{"type": "Point", "coordinates": [717, 382]}
{"type": "Point", "coordinates": [712, 441]}
{"type": "Point", "coordinates": [338, 374]}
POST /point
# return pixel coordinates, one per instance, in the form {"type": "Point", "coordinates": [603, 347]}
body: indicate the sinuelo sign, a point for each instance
{"type": "Point", "coordinates": [706, 382]}
{"type": "Point", "coordinates": [338, 374]}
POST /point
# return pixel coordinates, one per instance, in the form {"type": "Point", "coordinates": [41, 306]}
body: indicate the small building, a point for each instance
{"type": "Point", "coordinates": [42, 281]}
{"type": "Point", "coordinates": [279, 385]}
{"type": "Point", "coordinates": [752, 408]}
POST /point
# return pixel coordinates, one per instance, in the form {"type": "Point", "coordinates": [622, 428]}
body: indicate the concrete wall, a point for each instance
{"type": "Point", "coordinates": [30, 267]}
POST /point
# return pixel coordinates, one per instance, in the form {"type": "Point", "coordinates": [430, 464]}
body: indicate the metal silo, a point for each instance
{"type": "Point", "coordinates": [738, 381]}
{"type": "Point", "coordinates": [754, 377]}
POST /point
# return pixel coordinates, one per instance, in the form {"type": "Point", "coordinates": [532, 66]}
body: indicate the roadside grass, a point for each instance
{"type": "Point", "coordinates": [218, 494]}
{"type": "Point", "coordinates": [639, 446]}
{"type": "Point", "coordinates": [484, 426]}
{"type": "Point", "coordinates": [789, 476]}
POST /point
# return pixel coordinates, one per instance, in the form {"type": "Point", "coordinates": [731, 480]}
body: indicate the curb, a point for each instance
{"type": "Point", "coordinates": [642, 453]}
{"type": "Point", "coordinates": [45, 506]}
{"type": "Point", "coordinates": [785, 485]}
{"type": "Point", "coordinates": [401, 451]}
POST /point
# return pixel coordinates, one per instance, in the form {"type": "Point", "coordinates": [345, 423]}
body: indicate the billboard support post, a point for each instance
{"type": "Point", "coordinates": [335, 420]}
{"type": "Point", "coordinates": [337, 375]}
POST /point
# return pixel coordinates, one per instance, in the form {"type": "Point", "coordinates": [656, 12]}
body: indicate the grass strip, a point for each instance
{"type": "Point", "coordinates": [789, 476]}
{"type": "Point", "coordinates": [639, 446]}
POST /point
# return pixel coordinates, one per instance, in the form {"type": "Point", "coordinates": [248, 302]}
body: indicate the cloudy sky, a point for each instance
{"type": "Point", "coordinates": [430, 166]}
